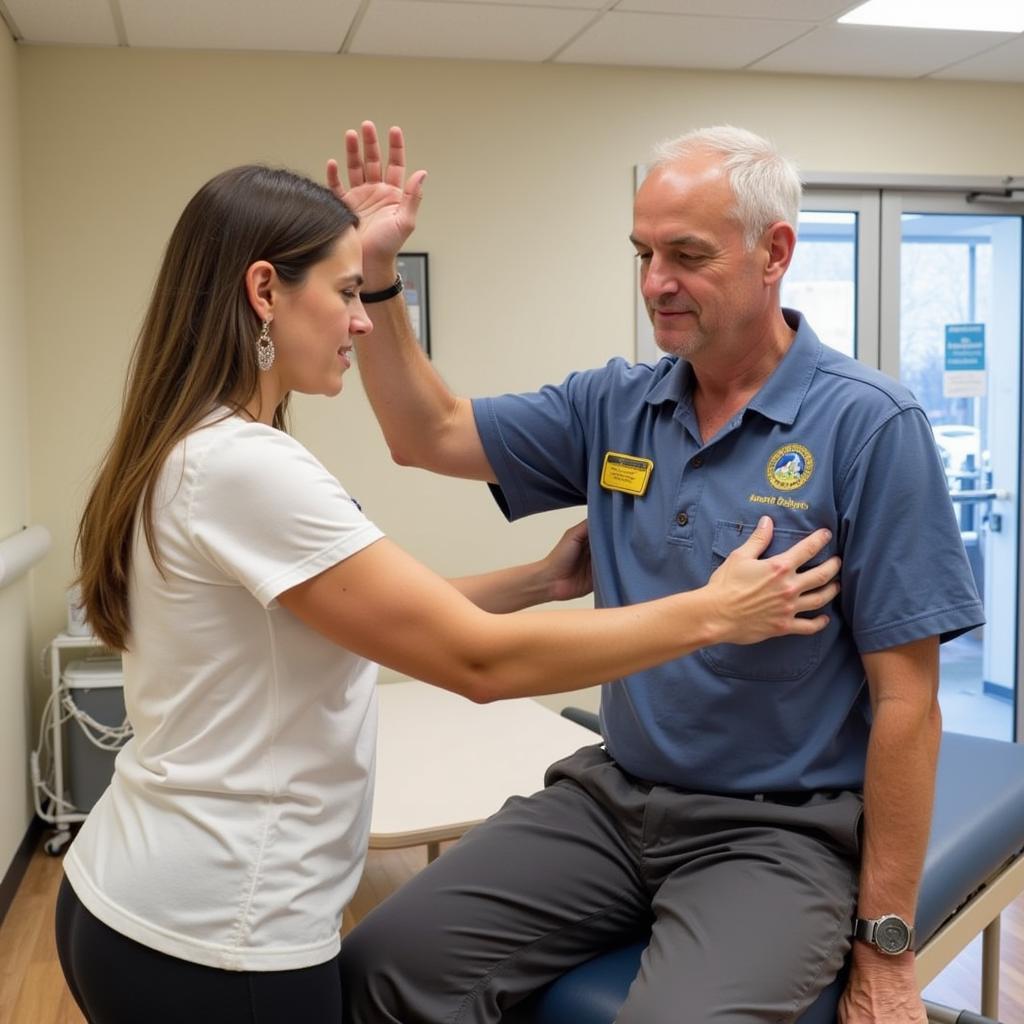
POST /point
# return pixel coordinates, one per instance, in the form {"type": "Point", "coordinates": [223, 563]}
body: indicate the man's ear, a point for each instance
{"type": "Point", "coordinates": [261, 288]}
{"type": "Point", "coordinates": [779, 241]}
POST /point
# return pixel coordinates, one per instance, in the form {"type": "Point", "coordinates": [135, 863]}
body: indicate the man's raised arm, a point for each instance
{"type": "Point", "coordinates": [424, 424]}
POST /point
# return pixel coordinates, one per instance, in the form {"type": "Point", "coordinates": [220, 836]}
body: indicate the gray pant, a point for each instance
{"type": "Point", "coordinates": [748, 901]}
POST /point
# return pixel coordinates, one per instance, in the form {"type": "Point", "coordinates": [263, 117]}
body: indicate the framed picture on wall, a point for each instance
{"type": "Point", "coordinates": [413, 268]}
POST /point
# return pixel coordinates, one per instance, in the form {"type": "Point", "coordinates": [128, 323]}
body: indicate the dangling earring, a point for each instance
{"type": "Point", "coordinates": [265, 348]}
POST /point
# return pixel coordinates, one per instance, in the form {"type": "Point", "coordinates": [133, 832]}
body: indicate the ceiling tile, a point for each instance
{"type": "Point", "coordinates": [401, 28]}
{"type": "Point", "coordinates": [79, 22]}
{"type": "Point", "coordinates": [239, 24]}
{"type": "Point", "coordinates": [885, 52]}
{"type": "Point", "coordinates": [663, 40]}
{"type": "Point", "coordinates": [786, 10]}
{"type": "Point", "coordinates": [1003, 64]}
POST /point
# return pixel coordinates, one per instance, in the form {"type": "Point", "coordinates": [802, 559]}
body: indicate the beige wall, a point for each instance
{"type": "Point", "coordinates": [15, 657]}
{"type": "Point", "coordinates": [525, 220]}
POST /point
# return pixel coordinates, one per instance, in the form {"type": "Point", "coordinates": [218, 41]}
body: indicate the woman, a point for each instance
{"type": "Point", "coordinates": [250, 596]}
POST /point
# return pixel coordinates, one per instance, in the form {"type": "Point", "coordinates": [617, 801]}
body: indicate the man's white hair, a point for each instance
{"type": "Point", "coordinates": [766, 185]}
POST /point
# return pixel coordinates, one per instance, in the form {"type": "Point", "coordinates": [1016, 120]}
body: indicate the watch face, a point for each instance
{"type": "Point", "coordinates": [892, 935]}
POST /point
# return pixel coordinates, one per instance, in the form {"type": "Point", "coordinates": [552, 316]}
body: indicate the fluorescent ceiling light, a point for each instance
{"type": "Point", "coordinates": [963, 15]}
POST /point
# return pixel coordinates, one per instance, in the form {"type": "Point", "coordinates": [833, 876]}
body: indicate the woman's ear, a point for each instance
{"type": "Point", "coordinates": [261, 287]}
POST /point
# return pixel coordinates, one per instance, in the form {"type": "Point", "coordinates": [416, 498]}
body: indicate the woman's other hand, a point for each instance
{"type": "Point", "coordinates": [567, 565]}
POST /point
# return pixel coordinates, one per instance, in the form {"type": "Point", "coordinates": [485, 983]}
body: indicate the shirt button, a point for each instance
{"type": "Point", "coordinates": [682, 519]}
{"type": "Point", "coordinates": [697, 461]}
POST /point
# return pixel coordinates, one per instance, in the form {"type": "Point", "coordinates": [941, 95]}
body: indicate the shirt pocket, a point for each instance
{"type": "Point", "coordinates": [783, 658]}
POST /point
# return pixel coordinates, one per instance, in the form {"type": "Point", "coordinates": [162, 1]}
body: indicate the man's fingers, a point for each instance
{"type": "Point", "coordinates": [334, 182]}
{"type": "Point", "coordinates": [371, 152]}
{"type": "Point", "coordinates": [757, 543]}
{"type": "Point", "coordinates": [413, 196]}
{"type": "Point", "coordinates": [395, 172]}
{"type": "Point", "coordinates": [353, 159]}
{"type": "Point", "coordinates": [366, 166]}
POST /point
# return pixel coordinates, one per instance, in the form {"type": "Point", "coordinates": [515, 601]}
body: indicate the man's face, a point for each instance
{"type": "Point", "coordinates": [700, 285]}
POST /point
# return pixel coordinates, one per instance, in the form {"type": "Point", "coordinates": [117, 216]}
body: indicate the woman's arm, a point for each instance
{"type": "Point", "coordinates": [564, 573]}
{"type": "Point", "coordinates": [382, 604]}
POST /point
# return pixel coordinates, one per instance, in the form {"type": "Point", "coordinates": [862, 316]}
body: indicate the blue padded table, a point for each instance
{"type": "Point", "coordinates": [974, 868]}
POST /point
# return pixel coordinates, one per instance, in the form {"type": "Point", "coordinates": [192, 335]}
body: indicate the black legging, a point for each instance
{"type": "Point", "coordinates": [118, 981]}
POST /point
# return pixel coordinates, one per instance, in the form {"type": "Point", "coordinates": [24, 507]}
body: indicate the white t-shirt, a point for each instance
{"type": "Point", "coordinates": [235, 828]}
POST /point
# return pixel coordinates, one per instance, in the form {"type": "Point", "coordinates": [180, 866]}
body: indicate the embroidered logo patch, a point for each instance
{"type": "Point", "coordinates": [790, 467]}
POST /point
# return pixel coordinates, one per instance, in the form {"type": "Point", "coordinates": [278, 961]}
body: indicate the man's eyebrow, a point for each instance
{"type": "Point", "coordinates": [693, 242]}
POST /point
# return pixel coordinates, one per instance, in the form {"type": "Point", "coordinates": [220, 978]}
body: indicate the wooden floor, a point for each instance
{"type": "Point", "coordinates": [32, 989]}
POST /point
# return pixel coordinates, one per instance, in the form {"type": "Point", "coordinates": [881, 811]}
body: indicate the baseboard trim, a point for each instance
{"type": "Point", "coordinates": [19, 865]}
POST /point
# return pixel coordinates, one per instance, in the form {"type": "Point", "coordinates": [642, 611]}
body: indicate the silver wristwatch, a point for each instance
{"type": "Point", "coordinates": [889, 934]}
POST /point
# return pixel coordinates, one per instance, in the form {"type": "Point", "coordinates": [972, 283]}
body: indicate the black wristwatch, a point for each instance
{"type": "Point", "coordinates": [889, 934]}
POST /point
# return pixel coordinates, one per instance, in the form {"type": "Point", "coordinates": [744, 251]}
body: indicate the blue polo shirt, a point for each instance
{"type": "Point", "coordinates": [825, 442]}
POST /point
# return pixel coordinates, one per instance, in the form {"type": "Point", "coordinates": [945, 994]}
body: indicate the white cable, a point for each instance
{"type": "Point", "coordinates": [106, 737]}
{"type": "Point", "coordinates": [59, 709]}
{"type": "Point", "coordinates": [41, 761]}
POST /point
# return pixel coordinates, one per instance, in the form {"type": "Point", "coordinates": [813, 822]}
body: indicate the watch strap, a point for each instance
{"type": "Point", "coordinates": [384, 294]}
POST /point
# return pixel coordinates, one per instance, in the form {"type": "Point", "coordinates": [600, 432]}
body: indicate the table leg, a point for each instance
{"type": "Point", "coordinates": [990, 970]}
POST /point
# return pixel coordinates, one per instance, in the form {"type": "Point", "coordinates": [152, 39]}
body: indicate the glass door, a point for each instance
{"type": "Point", "coordinates": [951, 331]}
{"type": "Point", "coordinates": [927, 287]}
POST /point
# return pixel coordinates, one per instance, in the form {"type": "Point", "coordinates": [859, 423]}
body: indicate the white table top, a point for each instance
{"type": "Point", "coordinates": [445, 763]}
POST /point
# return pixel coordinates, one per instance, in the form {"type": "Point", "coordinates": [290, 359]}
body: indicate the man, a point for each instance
{"type": "Point", "coordinates": [724, 811]}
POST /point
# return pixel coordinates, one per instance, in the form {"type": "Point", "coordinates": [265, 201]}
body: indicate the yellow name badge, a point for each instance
{"type": "Point", "coordinates": [627, 473]}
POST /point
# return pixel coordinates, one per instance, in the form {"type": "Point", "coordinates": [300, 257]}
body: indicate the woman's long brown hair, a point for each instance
{"type": "Point", "coordinates": [196, 350]}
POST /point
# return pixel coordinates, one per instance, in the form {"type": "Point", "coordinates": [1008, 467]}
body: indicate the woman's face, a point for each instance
{"type": "Point", "coordinates": [314, 323]}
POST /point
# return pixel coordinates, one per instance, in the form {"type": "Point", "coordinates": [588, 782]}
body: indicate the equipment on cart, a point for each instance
{"type": "Point", "coordinates": [83, 726]}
